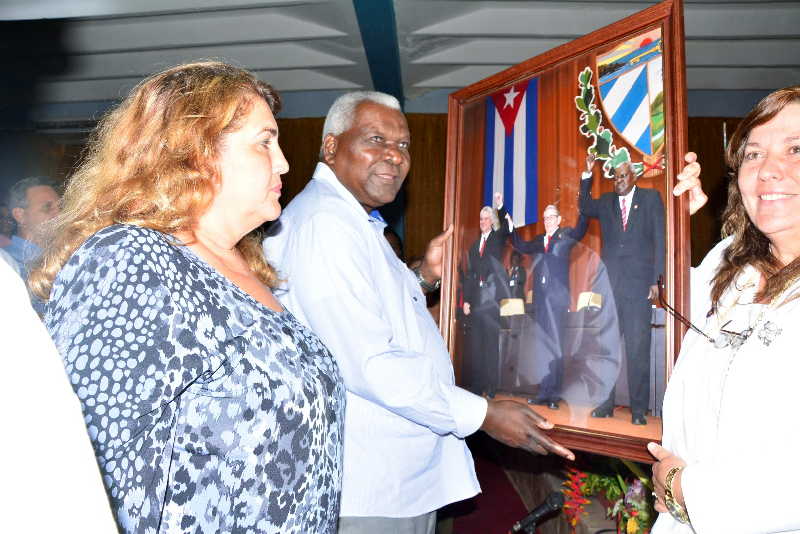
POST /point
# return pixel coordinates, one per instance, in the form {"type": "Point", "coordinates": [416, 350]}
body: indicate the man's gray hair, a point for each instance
{"type": "Point", "coordinates": [18, 194]}
{"type": "Point", "coordinates": [343, 111]}
{"type": "Point", "coordinates": [491, 212]}
{"type": "Point", "coordinates": [551, 208]}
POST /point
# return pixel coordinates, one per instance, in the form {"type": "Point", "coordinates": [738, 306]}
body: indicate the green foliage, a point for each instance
{"type": "Point", "coordinates": [592, 127]}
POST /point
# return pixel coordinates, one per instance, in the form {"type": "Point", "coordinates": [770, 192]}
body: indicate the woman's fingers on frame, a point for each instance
{"type": "Point", "coordinates": [658, 452]}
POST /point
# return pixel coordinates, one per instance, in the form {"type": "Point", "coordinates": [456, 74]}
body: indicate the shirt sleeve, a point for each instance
{"type": "Point", "coordinates": [580, 228]}
{"type": "Point", "coordinates": [746, 494]}
{"type": "Point", "coordinates": [342, 300]}
{"type": "Point", "coordinates": [526, 247]}
{"type": "Point", "coordinates": [588, 205]}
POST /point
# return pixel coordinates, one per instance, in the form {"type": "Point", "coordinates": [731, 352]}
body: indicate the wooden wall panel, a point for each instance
{"type": "Point", "coordinates": [300, 140]}
{"type": "Point", "coordinates": [425, 183]}
{"type": "Point", "coordinates": [707, 137]}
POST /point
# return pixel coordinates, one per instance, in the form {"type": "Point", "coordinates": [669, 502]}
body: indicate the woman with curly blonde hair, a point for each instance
{"type": "Point", "coordinates": [210, 408]}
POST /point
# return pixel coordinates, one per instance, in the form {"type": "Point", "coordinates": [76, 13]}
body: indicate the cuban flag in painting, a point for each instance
{"type": "Point", "coordinates": [511, 163]}
{"type": "Point", "coordinates": [631, 84]}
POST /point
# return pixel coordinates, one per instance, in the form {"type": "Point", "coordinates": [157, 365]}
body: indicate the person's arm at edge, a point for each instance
{"type": "Point", "coordinates": [696, 488]}
{"type": "Point", "coordinates": [52, 415]}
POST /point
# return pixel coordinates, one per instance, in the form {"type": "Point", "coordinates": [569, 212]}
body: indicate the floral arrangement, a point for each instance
{"type": "Point", "coordinates": [627, 499]}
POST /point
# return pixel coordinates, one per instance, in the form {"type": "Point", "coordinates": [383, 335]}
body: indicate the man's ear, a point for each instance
{"type": "Point", "coordinates": [329, 146]}
{"type": "Point", "coordinates": [18, 213]}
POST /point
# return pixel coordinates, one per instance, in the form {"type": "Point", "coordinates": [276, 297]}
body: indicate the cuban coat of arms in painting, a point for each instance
{"type": "Point", "coordinates": [631, 87]}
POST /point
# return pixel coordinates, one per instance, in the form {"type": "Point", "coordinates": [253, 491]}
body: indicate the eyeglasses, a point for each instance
{"type": "Point", "coordinates": [725, 337]}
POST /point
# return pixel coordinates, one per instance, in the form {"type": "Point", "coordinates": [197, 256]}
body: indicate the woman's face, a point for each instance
{"type": "Point", "coordinates": [251, 163]}
{"type": "Point", "coordinates": [769, 176]}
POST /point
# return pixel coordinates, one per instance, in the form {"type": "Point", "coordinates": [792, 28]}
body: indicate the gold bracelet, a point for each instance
{"type": "Point", "coordinates": [675, 509]}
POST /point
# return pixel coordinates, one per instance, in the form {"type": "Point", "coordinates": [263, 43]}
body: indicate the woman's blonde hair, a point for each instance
{"type": "Point", "coordinates": [151, 162]}
{"type": "Point", "coordinates": [750, 246]}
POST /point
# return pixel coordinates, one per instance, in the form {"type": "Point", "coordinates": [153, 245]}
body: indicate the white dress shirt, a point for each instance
{"type": "Point", "coordinates": [626, 201]}
{"type": "Point", "coordinates": [484, 237]}
{"type": "Point", "coordinates": [732, 416]}
{"type": "Point", "coordinates": [51, 479]}
{"type": "Point", "coordinates": [403, 450]}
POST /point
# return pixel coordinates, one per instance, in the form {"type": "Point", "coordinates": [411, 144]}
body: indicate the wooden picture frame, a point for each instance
{"type": "Point", "coordinates": [562, 151]}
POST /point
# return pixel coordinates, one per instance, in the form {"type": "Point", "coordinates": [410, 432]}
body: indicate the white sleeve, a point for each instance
{"type": "Point", "coordinates": [11, 261]}
{"type": "Point", "coordinates": [342, 301]}
{"type": "Point", "coordinates": [50, 472]}
{"type": "Point", "coordinates": [744, 495]}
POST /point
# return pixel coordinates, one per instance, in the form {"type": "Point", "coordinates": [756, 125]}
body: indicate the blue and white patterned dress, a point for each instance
{"type": "Point", "coordinates": [208, 411]}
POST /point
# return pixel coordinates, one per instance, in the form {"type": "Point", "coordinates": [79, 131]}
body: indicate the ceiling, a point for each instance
{"type": "Point", "coordinates": [91, 52]}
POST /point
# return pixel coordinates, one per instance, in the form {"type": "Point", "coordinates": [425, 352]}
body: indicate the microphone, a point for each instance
{"type": "Point", "coordinates": [553, 503]}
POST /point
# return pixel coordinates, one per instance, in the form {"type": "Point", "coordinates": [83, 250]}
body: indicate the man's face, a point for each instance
{"type": "Point", "coordinates": [623, 179]}
{"type": "Point", "coordinates": [485, 222]}
{"type": "Point", "coordinates": [552, 220]}
{"type": "Point", "coordinates": [43, 203]}
{"type": "Point", "coordinates": [371, 159]}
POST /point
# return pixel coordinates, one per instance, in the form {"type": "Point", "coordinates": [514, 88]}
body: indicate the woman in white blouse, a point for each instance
{"type": "Point", "coordinates": [731, 423]}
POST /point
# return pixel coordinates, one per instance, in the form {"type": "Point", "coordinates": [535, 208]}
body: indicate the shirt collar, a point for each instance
{"type": "Point", "coordinates": [27, 249]}
{"type": "Point", "coordinates": [325, 175]}
{"type": "Point", "coordinates": [629, 197]}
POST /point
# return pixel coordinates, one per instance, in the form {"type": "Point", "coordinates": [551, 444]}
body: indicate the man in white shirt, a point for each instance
{"type": "Point", "coordinates": [404, 454]}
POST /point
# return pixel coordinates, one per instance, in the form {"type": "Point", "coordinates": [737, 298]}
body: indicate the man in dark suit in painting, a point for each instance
{"type": "Point", "coordinates": [551, 252]}
{"type": "Point", "coordinates": [484, 285]}
{"type": "Point", "coordinates": [632, 229]}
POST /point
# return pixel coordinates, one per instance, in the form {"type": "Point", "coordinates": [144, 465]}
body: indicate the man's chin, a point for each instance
{"type": "Point", "coordinates": [385, 197]}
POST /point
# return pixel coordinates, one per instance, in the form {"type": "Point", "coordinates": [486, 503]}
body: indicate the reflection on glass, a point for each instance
{"type": "Point", "coordinates": [530, 333]}
{"type": "Point", "coordinates": [558, 284]}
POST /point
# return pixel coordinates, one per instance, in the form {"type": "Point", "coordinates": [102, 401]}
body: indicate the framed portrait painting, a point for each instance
{"type": "Point", "coordinates": [569, 246]}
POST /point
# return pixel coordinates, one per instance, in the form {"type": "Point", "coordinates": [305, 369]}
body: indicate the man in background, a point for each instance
{"type": "Point", "coordinates": [32, 202]}
{"type": "Point", "coordinates": [404, 453]}
{"type": "Point", "coordinates": [632, 229]}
